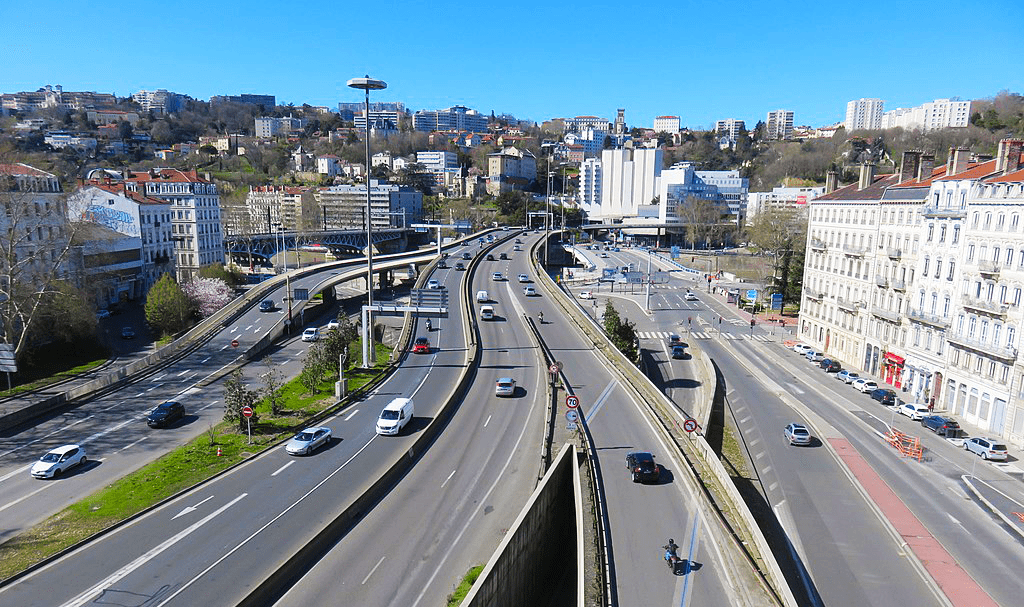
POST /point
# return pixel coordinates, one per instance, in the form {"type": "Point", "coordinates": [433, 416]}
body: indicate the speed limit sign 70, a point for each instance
{"type": "Point", "coordinates": [572, 401]}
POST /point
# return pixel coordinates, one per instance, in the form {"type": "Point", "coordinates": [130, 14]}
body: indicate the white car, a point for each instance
{"type": "Point", "coordinates": [914, 411]}
{"type": "Point", "coordinates": [333, 325]}
{"type": "Point", "coordinates": [797, 434]}
{"type": "Point", "coordinates": [311, 334]}
{"type": "Point", "coordinates": [433, 284]}
{"type": "Point", "coordinates": [987, 448]}
{"type": "Point", "coordinates": [814, 357]}
{"type": "Point", "coordinates": [690, 296]}
{"type": "Point", "coordinates": [864, 385]}
{"type": "Point", "coordinates": [529, 291]}
{"type": "Point", "coordinates": [505, 386]}
{"type": "Point", "coordinates": [496, 276]}
{"type": "Point", "coordinates": [802, 349]}
{"type": "Point", "coordinates": [847, 377]}
{"type": "Point", "coordinates": [586, 295]}
{"type": "Point", "coordinates": [523, 278]}
{"type": "Point", "coordinates": [308, 441]}
{"type": "Point", "coordinates": [58, 461]}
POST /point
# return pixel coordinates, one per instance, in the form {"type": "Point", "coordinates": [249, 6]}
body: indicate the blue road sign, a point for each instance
{"type": "Point", "coordinates": [751, 293]}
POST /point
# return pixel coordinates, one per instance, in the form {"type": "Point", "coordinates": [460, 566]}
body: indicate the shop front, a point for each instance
{"type": "Point", "coordinates": [892, 369]}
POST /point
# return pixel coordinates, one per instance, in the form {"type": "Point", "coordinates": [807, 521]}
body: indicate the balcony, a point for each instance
{"type": "Point", "coordinates": [894, 253]}
{"type": "Point", "coordinates": [881, 281]}
{"type": "Point", "coordinates": [812, 294]}
{"type": "Point", "coordinates": [943, 213]}
{"type": "Point", "coordinates": [818, 245]}
{"type": "Point", "coordinates": [1005, 353]}
{"type": "Point", "coordinates": [884, 314]}
{"type": "Point", "coordinates": [989, 268]}
{"type": "Point", "coordinates": [927, 319]}
{"type": "Point", "coordinates": [898, 284]}
{"type": "Point", "coordinates": [852, 251]}
{"type": "Point", "coordinates": [849, 306]}
{"type": "Point", "coordinates": [988, 308]}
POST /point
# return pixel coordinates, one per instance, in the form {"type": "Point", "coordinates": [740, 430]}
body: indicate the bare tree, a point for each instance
{"type": "Point", "coordinates": [702, 218]}
{"type": "Point", "coordinates": [780, 232]}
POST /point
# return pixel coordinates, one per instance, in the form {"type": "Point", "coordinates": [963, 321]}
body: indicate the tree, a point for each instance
{"type": "Point", "coordinates": [314, 367]}
{"type": "Point", "coordinates": [168, 309]}
{"type": "Point", "coordinates": [621, 332]}
{"type": "Point", "coordinates": [207, 295]}
{"type": "Point", "coordinates": [237, 396]}
{"type": "Point", "coordinates": [781, 233]}
{"type": "Point", "coordinates": [272, 384]}
{"type": "Point", "coordinates": [338, 341]}
{"type": "Point", "coordinates": [702, 218]}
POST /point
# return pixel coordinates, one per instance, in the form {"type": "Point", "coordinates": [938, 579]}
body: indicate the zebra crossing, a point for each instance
{"type": "Point", "coordinates": [664, 335]}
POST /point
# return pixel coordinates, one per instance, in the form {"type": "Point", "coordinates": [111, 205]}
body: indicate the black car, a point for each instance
{"type": "Point", "coordinates": [441, 264]}
{"type": "Point", "coordinates": [831, 366]}
{"type": "Point", "coordinates": [503, 256]}
{"type": "Point", "coordinates": [490, 257]}
{"type": "Point", "coordinates": [678, 351]}
{"type": "Point", "coordinates": [886, 396]}
{"type": "Point", "coordinates": [459, 266]}
{"type": "Point", "coordinates": [941, 425]}
{"type": "Point", "coordinates": [467, 256]}
{"type": "Point", "coordinates": [641, 465]}
{"type": "Point", "coordinates": [165, 413]}
{"type": "Point", "coordinates": [267, 305]}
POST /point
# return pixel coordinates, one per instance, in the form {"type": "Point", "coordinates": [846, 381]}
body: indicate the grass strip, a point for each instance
{"type": "Point", "coordinates": [52, 379]}
{"type": "Point", "coordinates": [455, 598]}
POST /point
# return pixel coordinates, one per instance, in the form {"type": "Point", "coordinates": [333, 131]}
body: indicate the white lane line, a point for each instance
{"type": "Point", "coordinates": [601, 400]}
{"type": "Point", "coordinates": [226, 346]}
{"type": "Point", "coordinates": [745, 420]}
{"type": "Point", "coordinates": [155, 387]}
{"type": "Point", "coordinates": [140, 394]}
{"type": "Point", "coordinates": [107, 431]}
{"type": "Point", "coordinates": [766, 470]}
{"type": "Point", "coordinates": [759, 455]}
{"type": "Point", "coordinates": [45, 436]}
{"type": "Point", "coordinates": [281, 469]}
{"type": "Point", "coordinates": [26, 496]}
{"type": "Point", "coordinates": [158, 378]}
{"type": "Point", "coordinates": [117, 404]}
{"type": "Point", "coordinates": [212, 403]}
{"type": "Point", "coordinates": [205, 359]}
{"type": "Point", "coordinates": [772, 486]}
{"type": "Point", "coordinates": [125, 571]}
{"type": "Point", "coordinates": [754, 442]}
{"type": "Point", "coordinates": [247, 328]}
{"type": "Point", "coordinates": [132, 444]}
{"type": "Point", "coordinates": [488, 421]}
{"type": "Point", "coordinates": [268, 524]}
{"type": "Point", "coordinates": [448, 479]}
{"type": "Point", "coordinates": [15, 472]}
{"type": "Point", "coordinates": [374, 569]}
{"type": "Point", "coordinates": [183, 372]}
{"type": "Point", "coordinates": [351, 415]}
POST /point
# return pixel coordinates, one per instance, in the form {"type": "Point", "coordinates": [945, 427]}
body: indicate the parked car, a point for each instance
{"type": "Point", "coordinates": [915, 411]}
{"type": "Point", "coordinates": [865, 385]}
{"type": "Point", "coordinates": [797, 434]}
{"type": "Point", "coordinates": [267, 305]}
{"type": "Point", "coordinates": [814, 357]}
{"type": "Point", "coordinates": [943, 426]}
{"type": "Point", "coordinates": [987, 448]}
{"type": "Point", "coordinates": [848, 377]}
{"type": "Point", "coordinates": [830, 366]}
{"type": "Point", "coordinates": [311, 334]}
{"type": "Point", "coordinates": [886, 396]}
{"type": "Point", "coordinates": [505, 386]}
{"type": "Point", "coordinates": [802, 349]}
{"type": "Point", "coordinates": [58, 461]}
{"type": "Point", "coordinates": [127, 333]}
{"type": "Point", "coordinates": [678, 351]}
{"type": "Point", "coordinates": [642, 468]}
{"type": "Point", "coordinates": [421, 346]}
{"type": "Point", "coordinates": [165, 413]}
{"type": "Point", "coordinates": [308, 441]}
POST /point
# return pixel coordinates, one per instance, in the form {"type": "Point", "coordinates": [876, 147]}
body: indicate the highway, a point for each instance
{"type": "Point", "coordinates": [848, 553]}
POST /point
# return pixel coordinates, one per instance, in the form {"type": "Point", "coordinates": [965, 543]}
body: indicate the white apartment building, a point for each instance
{"type": "Point", "coordinates": [629, 179]}
{"type": "Point", "coordinates": [917, 278]}
{"type": "Point", "coordinates": [781, 197]}
{"type": "Point", "coordinates": [864, 114]}
{"type": "Point", "coordinates": [455, 118]}
{"type": "Point", "coordinates": [329, 165]}
{"type": "Point", "coordinates": [159, 101]}
{"type": "Point", "coordinates": [195, 215]}
{"type": "Point", "coordinates": [666, 124]}
{"type": "Point", "coordinates": [726, 189]}
{"type": "Point", "coordinates": [269, 126]}
{"type": "Point", "coordinates": [730, 127]}
{"type": "Point", "coordinates": [391, 206]}
{"type": "Point", "coordinates": [275, 207]}
{"type": "Point", "coordinates": [591, 141]}
{"type": "Point", "coordinates": [437, 161]}
{"type": "Point", "coordinates": [779, 124]}
{"type": "Point", "coordinates": [580, 123]}
{"type": "Point", "coordinates": [590, 186]}
{"type": "Point", "coordinates": [938, 114]}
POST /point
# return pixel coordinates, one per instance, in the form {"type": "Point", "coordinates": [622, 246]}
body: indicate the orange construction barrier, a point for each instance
{"type": "Point", "coordinates": [908, 446]}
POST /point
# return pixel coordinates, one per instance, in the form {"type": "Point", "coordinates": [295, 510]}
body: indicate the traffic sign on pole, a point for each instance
{"type": "Point", "coordinates": [690, 425]}
{"type": "Point", "coordinates": [572, 401]}
{"type": "Point", "coordinates": [234, 343]}
{"type": "Point", "coordinates": [247, 411]}
{"type": "Point", "coordinates": [572, 415]}
{"type": "Point", "coordinates": [553, 369]}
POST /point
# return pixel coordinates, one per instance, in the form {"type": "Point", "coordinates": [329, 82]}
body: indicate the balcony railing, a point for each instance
{"type": "Point", "coordinates": [812, 294]}
{"type": "Point", "coordinates": [989, 308]}
{"type": "Point", "coordinates": [928, 319]}
{"type": "Point", "coordinates": [1007, 353]}
{"type": "Point", "coordinates": [941, 212]}
{"type": "Point", "coordinates": [881, 281]}
{"type": "Point", "coordinates": [894, 253]}
{"type": "Point", "coordinates": [853, 251]}
{"type": "Point", "coordinates": [886, 314]}
{"type": "Point", "coordinates": [850, 306]}
{"type": "Point", "coordinates": [898, 284]}
{"type": "Point", "coordinates": [989, 268]}
{"type": "Point", "coordinates": [818, 245]}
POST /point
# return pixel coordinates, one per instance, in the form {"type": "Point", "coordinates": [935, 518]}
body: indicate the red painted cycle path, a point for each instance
{"type": "Point", "coordinates": [959, 587]}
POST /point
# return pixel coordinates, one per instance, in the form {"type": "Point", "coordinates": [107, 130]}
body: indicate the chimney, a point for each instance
{"type": "Point", "coordinates": [867, 175]}
{"type": "Point", "coordinates": [924, 171]}
{"type": "Point", "coordinates": [1008, 156]}
{"type": "Point", "coordinates": [957, 161]}
{"type": "Point", "coordinates": [910, 164]}
{"type": "Point", "coordinates": [831, 181]}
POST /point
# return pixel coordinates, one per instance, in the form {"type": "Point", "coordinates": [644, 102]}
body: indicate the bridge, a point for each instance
{"type": "Point", "coordinates": [261, 248]}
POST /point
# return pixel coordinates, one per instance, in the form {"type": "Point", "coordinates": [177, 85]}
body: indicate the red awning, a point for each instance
{"type": "Point", "coordinates": [894, 358]}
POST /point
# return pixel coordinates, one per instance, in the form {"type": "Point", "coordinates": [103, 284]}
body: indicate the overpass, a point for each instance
{"type": "Point", "coordinates": [261, 248]}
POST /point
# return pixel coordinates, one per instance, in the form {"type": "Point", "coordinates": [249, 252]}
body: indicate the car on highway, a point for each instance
{"type": "Point", "coordinates": [847, 377]}
{"type": "Point", "coordinates": [497, 276]}
{"type": "Point", "coordinates": [797, 434]}
{"type": "Point", "coordinates": [421, 346]}
{"type": "Point", "coordinates": [333, 325]}
{"type": "Point", "coordinates": [459, 266]}
{"type": "Point", "coordinates": [165, 413]}
{"type": "Point", "coordinates": [267, 305]}
{"type": "Point", "coordinates": [466, 255]}
{"type": "Point", "coordinates": [915, 411]}
{"type": "Point", "coordinates": [486, 312]}
{"type": "Point", "coordinates": [433, 284]}
{"type": "Point", "coordinates": [586, 295]}
{"type": "Point", "coordinates": [311, 334]}
{"type": "Point", "coordinates": [886, 396]}
{"type": "Point", "coordinates": [986, 447]}
{"type": "Point", "coordinates": [690, 296]}
{"type": "Point", "coordinates": [642, 467]}
{"type": "Point", "coordinates": [604, 256]}
{"type": "Point", "coordinates": [519, 241]}
{"type": "Point", "coordinates": [483, 296]}
{"type": "Point", "coordinates": [517, 248]}
{"type": "Point", "coordinates": [308, 441]}
{"type": "Point", "coordinates": [127, 333]}
{"type": "Point", "coordinates": [864, 385]}
{"type": "Point", "coordinates": [442, 264]}
{"type": "Point", "coordinates": [503, 256]}
{"type": "Point", "coordinates": [395, 416]}
{"type": "Point", "coordinates": [523, 278]}
{"type": "Point", "coordinates": [58, 461]}
{"type": "Point", "coordinates": [943, 426]}
{"type": "Point", "coordinates": [678, 351]}
{"type": "Point", "coordinates": [529, 291]}
{"type": "Point", "coordinates": [505, 386]}
{"type": "Point", "coordinates": [490, 257]}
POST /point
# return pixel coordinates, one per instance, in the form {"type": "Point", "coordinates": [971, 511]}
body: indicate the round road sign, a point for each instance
{"type": "Point", "coordinates": [247, 411]}
{"type": "Point", "coordinates": [572, 401]}
{"type": "Point", "coordinates": [553, 369]}
{"type": "Point", "coordinates": [234, 343]}
{"type": "Point", "coordinates": [572, 415]}
{"type": "Point", "coordinates": [690, 425]}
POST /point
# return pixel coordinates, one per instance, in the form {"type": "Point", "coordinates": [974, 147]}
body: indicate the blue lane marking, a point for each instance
{"type": "Point", "coordinates": [689, 559]}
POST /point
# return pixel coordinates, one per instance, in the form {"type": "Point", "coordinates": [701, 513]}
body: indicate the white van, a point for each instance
{"type": "Point", "coordinates": [486, 313]}
{"type": "Point", "coordinates": [483, 296]}
{"type": "Point", "coordinates": [395, 416]}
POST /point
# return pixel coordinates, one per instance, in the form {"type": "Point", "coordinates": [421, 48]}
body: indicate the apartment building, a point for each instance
{"type": "Point", "coordinates": [666, 124]}
{"type": "Point", "coordinates": [455, 118]}
{"type": "Point", "coordinates": [730, 127]}
{"type": "Point", "coordinates": [267, 101]}
{"type": "Point", "coordinates": [781, 198]}
{"type": "Point", "coordinates": [938, 114]}
{"type": "Point", "coordinates": [273, 207]}
{"type": "Point", "coordinates": [160, 101]}
{"type": "Point", "coordinates": [916, 277]}
{"type": "Point", "coordinates": [629, 181]}
{"type": "Point", "coordinates": [580, 123]}
{"type": "Point", "coordinates": [590, 186]}
{"type": "Point", "coordinates": [269, 126]}
{"type": "Point", "coordinates": [682, 181]}
{"type": "Point", "coordinates": [510, 169]}
{"type": "Point", "coordinates": [391, 206]}
{"type": "Point", "coordinates": [779, 125]}
{"type": "Point", "coordinates": [864, 114]}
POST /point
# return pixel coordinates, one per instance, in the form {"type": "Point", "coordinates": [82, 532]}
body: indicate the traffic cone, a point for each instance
{"type": "Point", "coordinates": [218, 451]}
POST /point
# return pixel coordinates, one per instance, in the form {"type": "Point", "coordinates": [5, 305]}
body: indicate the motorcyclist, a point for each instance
{"type": "Point", "coordinates": [671, 550]}
{"type": "Point", "coordinates": [540, 316]}
{"type": "Point", "coordinates": [429, 327]}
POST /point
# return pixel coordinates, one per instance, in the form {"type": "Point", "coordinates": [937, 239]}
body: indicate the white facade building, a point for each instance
{"type": "Point", "coordinates": [781, 197]}
{"type": "Point", "coordinates": [391, 206]}
{"type": "Point", "coordinates": [629, 179]}
{"type": "Point", "coordinates": [779, 124]}
{"type": "Point", "coordinates": [159, 101]}
{"type": "Point", "coordinates": [730, 127]}
{"type": "Point", "coordinates": [590, 186]}
{"type": "Point", "coordinates": [329, 165]}
{"type": "Point", "coordinates": [938, 114]}
{"type": "Point", "coordinates": [270, 126]}
{"type": "Point", "coordinates": [864, 114]}
{"type": "Point", "coordinates": [666, 124]}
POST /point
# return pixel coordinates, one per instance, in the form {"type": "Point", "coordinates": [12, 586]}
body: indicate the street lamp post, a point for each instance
{"type": "Point", "coordinates": [368, 84]}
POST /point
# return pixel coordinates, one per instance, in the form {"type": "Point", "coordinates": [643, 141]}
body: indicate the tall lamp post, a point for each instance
{"type": "Point", "coordinates": [368, 84]}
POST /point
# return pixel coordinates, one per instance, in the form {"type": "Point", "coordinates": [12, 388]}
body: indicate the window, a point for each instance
{"type": "Point", "coordinates": [942, 234]}
{"type": "Point", "coordinates": [1014, 220]}
{"type": "Point", "coordinates": [952, 268]}
{"type": "Point", "coordinates": [931, 232]}
{"type": "Point", "coordinates": [1010, 331]}
{"type": "Point", "coordinates": [935, 301]}
{"type": "Point", "coordinates": [938, 268]}
{"type": "Point", "coordinates": [970, 252]}
{"type": "Point", "coordinates": [1009, 257]}
{"type": "Point", "coordinates": [945, 308]}
{"type": "Point", "coordinates": [925, 272]}
{"type": "Point", "coordinates": [972, 326]}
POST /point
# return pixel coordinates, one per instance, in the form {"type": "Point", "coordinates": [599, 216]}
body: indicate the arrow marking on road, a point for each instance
{"type": "Point", "coordinates": [125, 571]}
{"type": "Point", "coordinates": [281, 469]}
{"type": "Point", "coordinates": [188, 509]}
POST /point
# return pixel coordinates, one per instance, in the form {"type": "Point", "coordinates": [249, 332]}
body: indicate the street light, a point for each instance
{"type": "Point", "coordinates": [368, 84]}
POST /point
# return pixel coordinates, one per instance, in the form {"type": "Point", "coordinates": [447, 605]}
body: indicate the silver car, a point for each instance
{"type": "Point", "coordinates": [505, 386]}
{"type": "Point", "coordinates": [987, 448]}
{"type": "Point", "coordinates": [797, 434]}
{"type": "Point", "coordinates": [308, 441]}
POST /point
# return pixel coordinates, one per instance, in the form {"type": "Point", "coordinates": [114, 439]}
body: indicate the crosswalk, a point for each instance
{"type": "Point", "coordinates": [664, 335]}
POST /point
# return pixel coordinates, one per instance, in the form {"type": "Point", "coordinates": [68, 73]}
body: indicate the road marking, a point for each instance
{"type": "Point", "coordinates": [351, 415]}
{"type": "Point", "coordinates": [694, 541]}
{"type": "Point", "coordinates": [107, 431]}
{"type": "Point", "coordinates": [234, 329]}
{"type": "Point", "coordinates": [159, 377]}
{"type": "Point", "coordinates": [27, 495]}
{"type": "Point", "coordinates": [745, 420]}
{"type": "Point", "coordinates": [374, 569]}
{"type": "Point", "coordinates": [755, 441]}
{"type": "Point", "coordinates": [766, 470]}
{"type": "Point", "coordinates": [188, 509]}
{"type": "Point", "coordinates": [281, 469]}
{"type": "Point", "coordinates": [140, 394]}
{"type": "Point", "coordinates": [212, 403]}
{"type": "Point", "coordinates": [947, 514]}
{"type": "Point", "coordinates": [772, 486]}
{"type": "Point", "coordinates": [183, 372]}
{"type": "Point", "coordinates": [601, 400]}
{"type": "Point", "coordinates": [488, 421]}
{"type": "Point", "coordinates": [117, 404]}
{"type": "Point", "coordinates": [226, 346]}
{"type": "Point", "coordinates": [759, 455]}
{"type": "Point", "coordinates": [154, 388]}
{"type": "Point", "coordinates": [125, 571]}
{"type": "Point", "coordinates": [132, 444]}
{"type": "Point", "coordinates": [247, 328]}
{"type": "Point", "coordinates": [795, 389]}
{"type": "Point", "coordinates": [205, 359]}
{"type": "Point", "coordinates": [31, 442]}
{"type": "Point", "coordinates": [448, 479]}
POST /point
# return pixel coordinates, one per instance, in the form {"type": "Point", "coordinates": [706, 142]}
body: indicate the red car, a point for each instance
{"type": "Point", "coordinates": [421, 346]}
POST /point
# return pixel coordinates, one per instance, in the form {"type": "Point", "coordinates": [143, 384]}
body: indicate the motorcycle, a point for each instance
{"type": "Point", "coordinates": [429, 326]}
{"type": "Point", "coordinates": [540, 317]}
{"type": "Point", "coordinates": [671, 558]}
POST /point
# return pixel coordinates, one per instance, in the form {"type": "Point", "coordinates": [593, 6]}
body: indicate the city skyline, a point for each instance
{"type": "Point", "coordinates": [697, 65]}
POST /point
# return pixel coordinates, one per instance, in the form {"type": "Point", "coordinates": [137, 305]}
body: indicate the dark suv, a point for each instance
{"type": "Point", "coordinates": [641, 465]}
{"type": "Point", "coordinates": [165, 413]}
{"type": "Point", "coordinates": [941, 425]}
{"type": "Point", "coordinates": [886, 396]}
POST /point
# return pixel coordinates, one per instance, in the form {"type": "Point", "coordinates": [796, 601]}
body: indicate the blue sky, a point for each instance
{"type": "Point", "coordinates": [701, 60]}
